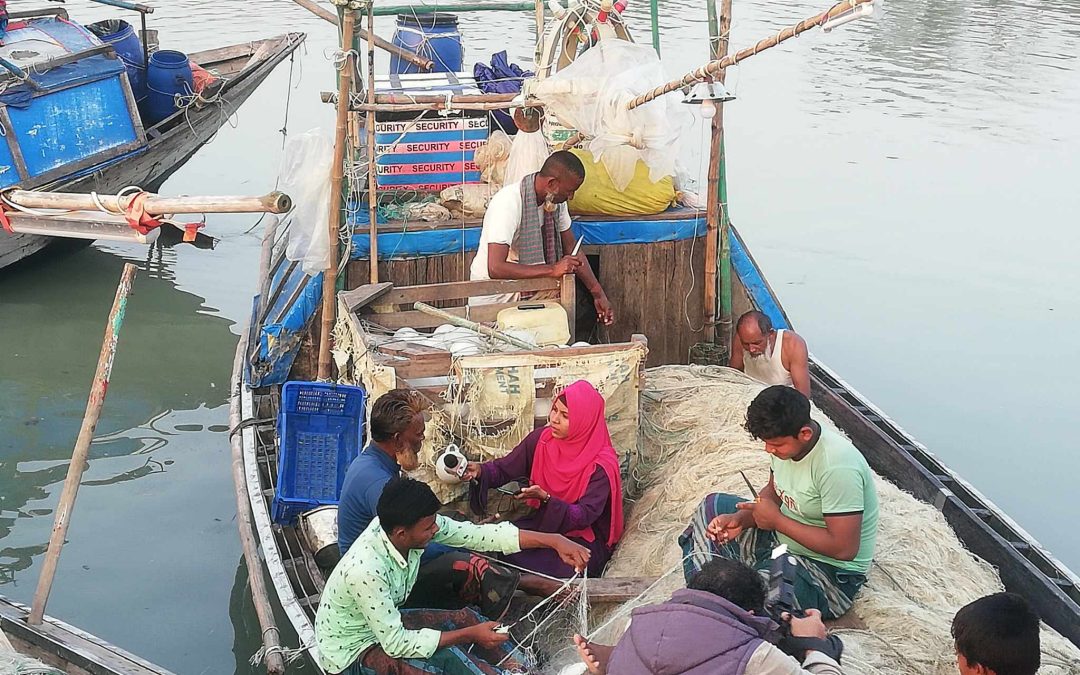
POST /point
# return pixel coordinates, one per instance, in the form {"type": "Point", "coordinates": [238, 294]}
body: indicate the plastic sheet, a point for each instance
{"type": "Point", "coordinates": [527, 155]}
{"type": "Point", "coordinates": [491, 157]}
{"type": "Point", "coordinates": [305, 176]}
{"type": "Point", "coordinates": [591, 94]}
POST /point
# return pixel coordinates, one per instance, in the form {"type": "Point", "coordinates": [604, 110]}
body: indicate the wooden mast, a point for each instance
{"type": "Point", "coordinates": [329, 303]}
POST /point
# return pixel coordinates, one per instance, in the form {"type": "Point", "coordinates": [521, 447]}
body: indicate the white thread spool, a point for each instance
{"type": "Point", "coordinates": [450, 466]}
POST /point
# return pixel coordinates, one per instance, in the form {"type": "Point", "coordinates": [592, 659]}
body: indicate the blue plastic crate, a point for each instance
{"type": "Point", "coordinates": [321, 429]}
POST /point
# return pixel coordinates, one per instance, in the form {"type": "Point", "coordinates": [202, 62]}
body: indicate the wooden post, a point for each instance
{"type": "Point", "coordinates": [539, 21]}
{"type": "Point", "coordinates": [373, 193]}
{"type": "Point", "coordinates": [568, 299]}
{"type": "Point", "coordinates": [82, 445]}
{"type": "Point", "coordinates": [329, 302]}
{"type": "Point", "coordinates": [275, 663]}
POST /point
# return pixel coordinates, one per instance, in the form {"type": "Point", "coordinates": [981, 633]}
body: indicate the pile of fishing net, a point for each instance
{"type": "Point", "coordinates": [13, 663]}
{"type": "Point", "coordinates": [693, 443]}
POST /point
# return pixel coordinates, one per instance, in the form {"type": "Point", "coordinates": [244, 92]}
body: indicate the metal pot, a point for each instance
{"type": "Point", "coordinates": [319, 530]}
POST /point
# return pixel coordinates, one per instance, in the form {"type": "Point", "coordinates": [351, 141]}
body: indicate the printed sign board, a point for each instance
{"type": "Point", "coordinates": [428, 154]}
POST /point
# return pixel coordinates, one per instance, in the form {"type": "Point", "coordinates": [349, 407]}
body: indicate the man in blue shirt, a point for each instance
{"type": "Point", "coordinates": [397, 432]}
{"type": "Point", "coordinates": [448, 578]}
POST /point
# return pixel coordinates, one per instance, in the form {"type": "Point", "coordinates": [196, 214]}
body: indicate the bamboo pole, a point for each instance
{"type": "Point", "coordinates": [717, 50]}
{"type": "Point", "coordinates": [654, 22]}
{"type": "Point", "coordinates": [271, 640]}
{"type": "Point", "coordinates": [420, 10]}
{"type": "Point", "coordinates": [394, 99]}
{"type": "Point", "coordinates": [417, 107]}
{"type": "Point", "coordinates": [98, 389]}
{"type": "Point", "coordinates": [373, 193]}
{"type": "Point", "coordinates": [325, 14]}
{"type": "Point", "coordinates": [472, 325]}
{"type": "Point", "coordinates": [713, 69]}
{"type": "Point", "coordinates": [721, 195]}
{"type": "Point", "coordinates": [539, 15]}
{"type": "Point", "coordinates": [329, 303]}
{"type": "Point", "coordinates": [154, 205]}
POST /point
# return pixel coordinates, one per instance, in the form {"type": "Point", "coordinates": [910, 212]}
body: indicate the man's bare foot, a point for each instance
{"type": "Point", "coordinates": [594, 656]}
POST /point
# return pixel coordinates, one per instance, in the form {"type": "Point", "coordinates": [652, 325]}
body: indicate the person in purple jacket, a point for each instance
{"type": "Point", "coordinates": [576, 487]}
{"type": "Point", "coordinates": [725, 602]}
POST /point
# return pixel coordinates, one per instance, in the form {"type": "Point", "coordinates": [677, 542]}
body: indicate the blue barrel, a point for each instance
{"type": "Point", "coordinates": [169, 74]}
{"type": "Point", "coordinates": [433, 36]}
{"type": "Point", "coordinates": [125, 41]}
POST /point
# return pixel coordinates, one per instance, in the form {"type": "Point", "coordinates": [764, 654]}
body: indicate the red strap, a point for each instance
{"type": "Point", "coordinates": [137, 217]}
{"type": "Point", "coordinates": [142, 222]}
{"type": "Point", "coordinates": [5, 222]}
{"type": "Point", "coordinates": [191, 230]}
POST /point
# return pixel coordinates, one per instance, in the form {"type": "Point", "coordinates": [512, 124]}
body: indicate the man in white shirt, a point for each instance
{"type": "Point", "coordinates": [526, 233]}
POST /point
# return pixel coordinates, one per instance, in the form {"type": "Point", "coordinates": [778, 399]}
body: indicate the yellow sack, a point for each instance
{"type": "Point", "coordinates": [597, 196]}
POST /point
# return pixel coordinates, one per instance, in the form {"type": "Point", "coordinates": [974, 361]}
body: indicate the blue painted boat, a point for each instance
{"type": "Point", "coordinates": [652, 268]}
{"type": "Point", "coordinates": [70, 121]}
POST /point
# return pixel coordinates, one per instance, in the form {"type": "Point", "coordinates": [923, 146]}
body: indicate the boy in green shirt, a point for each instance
{"type": "Point", "coordinates": [359, 629]}
{"type": "Point", "coordinates": [820, 501]}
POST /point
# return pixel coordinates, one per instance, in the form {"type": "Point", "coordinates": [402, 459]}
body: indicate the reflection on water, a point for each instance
{"type": "Point", "coordinates": [894, 156]}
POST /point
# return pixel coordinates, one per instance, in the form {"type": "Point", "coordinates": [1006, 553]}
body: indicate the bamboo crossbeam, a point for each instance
{"type": "Point", "coordinates": [79, 455]}
{"type": "Point", "coordinates": [326, 15]}
{"type": "Point", "coordinates": [418, 107]}
{"type": "Point", "coordinates": [419, 10]}
{"type": "Point", "coordinates": [155, 205]}
{"type": "Point", "coordinates": [712, 69]}
{"type": "Point", "coordinates": [406, 103]}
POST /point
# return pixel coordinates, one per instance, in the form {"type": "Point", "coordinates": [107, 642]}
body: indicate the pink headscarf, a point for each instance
{"type": "Point", "coordinates": [563, 466]}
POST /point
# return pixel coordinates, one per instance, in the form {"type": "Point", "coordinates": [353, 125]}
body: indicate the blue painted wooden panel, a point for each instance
{"type": "Point", "coordinates": [64, 127]}
{"type": "Point", "coordinates": [9, 174]}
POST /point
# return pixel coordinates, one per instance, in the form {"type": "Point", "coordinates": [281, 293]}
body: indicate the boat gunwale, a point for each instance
{"type": "Point", "coordinates": [50, 637]}
{"type": "Point", "coordinates": [273, 561]}
{"type": "Point", "coordinates": [924, 482]}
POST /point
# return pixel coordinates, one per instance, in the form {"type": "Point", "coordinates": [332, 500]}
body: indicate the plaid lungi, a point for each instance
{"type": "Point", "coordinates": [817, 584]}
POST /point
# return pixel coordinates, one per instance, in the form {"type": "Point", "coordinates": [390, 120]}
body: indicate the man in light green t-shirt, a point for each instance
{"type": "Point", "coordinates": [820, 501]}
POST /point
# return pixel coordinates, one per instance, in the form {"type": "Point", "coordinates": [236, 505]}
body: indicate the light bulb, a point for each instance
{"type": "Point", "coordinates": [708, 110]}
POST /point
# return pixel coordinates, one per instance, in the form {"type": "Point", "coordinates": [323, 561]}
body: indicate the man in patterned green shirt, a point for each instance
{"type": "Point", "coordinates": [358, 619]}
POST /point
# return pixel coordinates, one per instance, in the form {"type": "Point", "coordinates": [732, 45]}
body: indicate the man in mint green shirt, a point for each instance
{"type": "Point", "coordinates": [820, 501]}
{"type": "Point", "coordinates": [359, 628]}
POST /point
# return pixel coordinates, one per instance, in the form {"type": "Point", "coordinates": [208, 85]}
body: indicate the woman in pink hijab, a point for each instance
{"type": "Point", "coordinates": [573, 479]}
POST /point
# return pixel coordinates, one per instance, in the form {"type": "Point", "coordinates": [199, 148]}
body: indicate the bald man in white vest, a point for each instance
{"type": "Point", "coordinates": [769, 355]}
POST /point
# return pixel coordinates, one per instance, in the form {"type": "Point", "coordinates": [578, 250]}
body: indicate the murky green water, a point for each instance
{"type": "Point", "coordinates": [905, 183]}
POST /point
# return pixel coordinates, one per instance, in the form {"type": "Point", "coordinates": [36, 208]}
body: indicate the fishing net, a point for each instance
{"type": "Point", "coordinates": [693, 443]}
{"type": "Point", "coordinates": [490, 402]}
{"type": "Point", "coordinates": [16, 664]}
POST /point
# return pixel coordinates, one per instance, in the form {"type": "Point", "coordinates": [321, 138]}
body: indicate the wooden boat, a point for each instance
{"type": "Point", "coordinates": [65, 647]}
{"type": "Point", "coordinates": [169, 143]}
{"type": "Point", "coordinates": [676, 246]}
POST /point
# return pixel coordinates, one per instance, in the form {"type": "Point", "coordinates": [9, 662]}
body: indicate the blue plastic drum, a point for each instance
{"type": "Point", "coordinates": [169, 74]}
{"type": "Point", "coordinates": [125, 41]}
{"type": "Point", "coordinates": [433, 36]}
